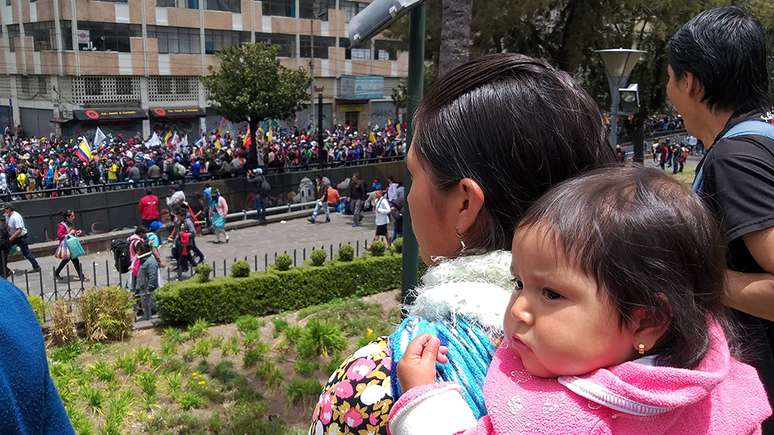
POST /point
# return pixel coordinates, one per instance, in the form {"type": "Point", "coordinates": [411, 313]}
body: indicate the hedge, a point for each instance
{"type": "Point", "coordinates": [222, 300]}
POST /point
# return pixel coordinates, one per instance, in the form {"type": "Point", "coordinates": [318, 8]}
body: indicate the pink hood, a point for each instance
{"type": "Point", "coordinates": [721, 395]}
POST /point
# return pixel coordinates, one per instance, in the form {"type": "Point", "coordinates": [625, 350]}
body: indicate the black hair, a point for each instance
{"type": "Point", "coordinates": [148, 192]}
{"type": "Point", "coordinates": [141, 230]}
{"type": "Point", "coordinates": [516, 126]}
{"type": "Point", "coordinates": [649, 243]}
{"type": "Point", "coordinates": [64, 213]}
{"type": "Point", "coordinates": [725, 48]}
{"type": "Point", "coordinates": [142, 247]}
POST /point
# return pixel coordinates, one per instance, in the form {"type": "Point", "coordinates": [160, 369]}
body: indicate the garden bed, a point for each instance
{"type": "Point", "coordinates": [257, 375]}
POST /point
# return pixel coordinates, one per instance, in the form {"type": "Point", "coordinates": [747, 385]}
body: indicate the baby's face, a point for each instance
{"type": "Point", "coordinates": [557, 320]}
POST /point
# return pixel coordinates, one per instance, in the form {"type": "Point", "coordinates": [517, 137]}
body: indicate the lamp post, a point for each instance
{"type": "Point", "coordinates": [619, 63]}
{"type": "Point", "coordinates": [370, 21]}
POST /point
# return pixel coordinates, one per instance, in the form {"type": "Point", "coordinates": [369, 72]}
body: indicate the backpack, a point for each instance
{"type": "Point", "coordinates": [265, 187]}
{"type": "Point", "coordinates": [120, 250]}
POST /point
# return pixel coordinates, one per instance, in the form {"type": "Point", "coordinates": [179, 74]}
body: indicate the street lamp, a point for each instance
{"type": "Point", "coordinates": [619, 63]}
{"type": "Point", "coordinates": [370, 21]}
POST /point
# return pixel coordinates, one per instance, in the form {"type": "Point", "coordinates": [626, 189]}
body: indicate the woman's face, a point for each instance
{"type": "Point", "coordinates": [432, 216]}
{"type": "Point", "coordinates": [70, 217]}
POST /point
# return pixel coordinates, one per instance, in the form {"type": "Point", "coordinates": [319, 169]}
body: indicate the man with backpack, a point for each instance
{"type": "Point", "coordinates": [719, 83]}
{"type": "Point", "coordinates": [262, 190]}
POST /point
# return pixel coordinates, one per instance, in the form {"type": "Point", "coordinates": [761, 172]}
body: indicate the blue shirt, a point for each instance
{"type": "Point", "coordinates": [29, 401]}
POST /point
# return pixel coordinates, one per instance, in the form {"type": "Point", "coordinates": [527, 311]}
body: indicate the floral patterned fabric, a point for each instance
{"type": "Point", "coordinates": [357, 398]}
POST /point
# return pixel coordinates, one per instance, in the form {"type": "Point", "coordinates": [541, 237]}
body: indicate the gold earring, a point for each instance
{"type": "Point", "coordinates": [641, 348]}
{"type": "Point", "coordinates": [462, 242]}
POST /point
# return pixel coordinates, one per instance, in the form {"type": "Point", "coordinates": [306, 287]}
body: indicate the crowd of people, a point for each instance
{"type": "Point", "coordinates": [30, 164]}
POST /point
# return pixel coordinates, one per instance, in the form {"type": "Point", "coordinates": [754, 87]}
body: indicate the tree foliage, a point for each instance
{"type": "Point", "coordinates": [250, 85]}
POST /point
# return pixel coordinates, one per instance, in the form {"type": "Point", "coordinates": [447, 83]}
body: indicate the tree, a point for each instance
{"type": "Point", "coordinates": [250, 85]}
{"type": "Point", "coordinates": [399, 97]}
{"type": "Point", "coordinates": [455, 34]}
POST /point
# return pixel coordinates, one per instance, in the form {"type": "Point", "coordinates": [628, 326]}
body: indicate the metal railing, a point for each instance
{"type": "Point", "coordinates": [106, 275]}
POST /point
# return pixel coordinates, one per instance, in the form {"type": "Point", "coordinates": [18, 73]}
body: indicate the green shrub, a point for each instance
{"type": "Point", "coordinates": [397, 245]}
{"type": "Point", "coordinates": [62, 329]}
{"type": "Point", "coordinates": [38, 306]}
{"type": "Point", "coordinates": [107, 313]}
{"type": "Point", "coordinates": [222, 300]}
{"type": "Point", "coordinates": [203, 272]}
{"type": "Point", "coordinates": [346, 253]}
{"type": "Point", "coordinates": [377, 248]}
{"type": "Point", "coordinates": [248, 323]}
{"type": "Point", "coordinates": [198, 328]}
{"type": "Point", "coordinates": [318, 257]}
{"type": "Point", "coordinates": [320, 337]}
{"type": "Point", "coordinates": [300, 389]}
{"type": "Point", "coordinates": [306, 367]}
{"type": "Point", "coordinates": [240, 269]}
{"type": "Point", "coordinates": [280, 325]}
{"type": "Point", "coordinates": [283, 262]}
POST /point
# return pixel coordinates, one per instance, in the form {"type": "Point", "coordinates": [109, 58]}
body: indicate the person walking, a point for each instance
{"type": "Point", "coordinates": [66, 228]}
{"type": "Point", "coordinates": [18, 234]}
{"type": "Point", "coordinates": [382, 218]}
{"type": "Point", "coordinates": [723, 100]}
{"type": "Point", "coordinates": [219, 216]}
{"type": "Point", "coordinates": [262, 190]}
{"type": "Point", "coordinates": [149, 208]}
{"type": "Point", "coordinates": [147, 279]}
{"type": "Point", "coordinates": [357, 196]}
{"type": "Point", "coordinates": [329, 198]}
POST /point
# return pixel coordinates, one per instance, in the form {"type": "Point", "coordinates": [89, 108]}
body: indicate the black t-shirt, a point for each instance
{"type": "Point", "coordinates": [738, 185]}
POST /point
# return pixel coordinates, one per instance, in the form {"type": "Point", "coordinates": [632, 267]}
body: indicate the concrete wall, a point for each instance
{"type": "Point", "coordinates": [104, 211]}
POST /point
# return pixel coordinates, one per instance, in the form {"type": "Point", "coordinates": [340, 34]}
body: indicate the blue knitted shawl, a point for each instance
{"type": "Point", "coordinates": [470, 353]}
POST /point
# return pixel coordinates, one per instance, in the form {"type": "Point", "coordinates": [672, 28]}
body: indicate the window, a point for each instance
{"type": "Point", "coordinates": [224, 5]}
{"type": "Point", "coordinates": [108, 36]}
{"type": "Point", "coordinates": [42, 85]}
{"type": "Point", "coordinates": [124, 86]}
{"type": "Point", "coordinates": [387, 50]}
{"type": "Point", "coordinates": [26, 85]}
{"type": "Point", "coordinates": [286, 43]}
{"type": "Point", "coordinates": [13, 33]}
{"type": "Point", "coordinates": [176, 39]}
{"type": "Point", "coordinates": [316, 9]}
{"type": "Point", "coordinates": [42, 35]}
{"type": "Point", "coordinates": [282, 8]}
{"type": "Point", "coordinates": [321, 44]}
{"type": "Point", "coordinates": [164, 85]}
{"type": "Point", "coordinates": [354, 53]}
{"type": "Point", "coordinates": [217, 40]}
{"type": "Point", "coordinates": [66, 34]}
{"type": "Point", "coordinates": [351, 8]}
{"type": "Point", "coordinates": [166, 3]}
{"type": "Point", "coordinates": [93, 85]}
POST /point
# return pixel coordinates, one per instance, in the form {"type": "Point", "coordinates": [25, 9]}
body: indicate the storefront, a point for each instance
{"type": "Point", "coordinates": [183, 120]}
{"type": "Point", "coordinates": [354, 98]}
{"type": "Point", "coordinates": [120, 122]}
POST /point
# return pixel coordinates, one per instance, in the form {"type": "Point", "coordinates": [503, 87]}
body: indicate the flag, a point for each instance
{"type": "Point", "coordinates": [247, 140]}
{"type": "Point", "coordinates": [269, 135]}
{"type": "Point", "coordinates": [167, 137]}
{"type": "Point", "coordinates": [175, 142]}
{"type": "Point", "coordinates": [261, 134]}
{"type": "Point", "coordinates": [372, 137]}
{"type": "Point", "coordinates": [183, 144]}
{"type": "Point", "coordinates": [201, 142]}
{"type": "Point", "coordinates": [83, 151]}
{"type": "Point", "coordinates": [154, 141]}
{"type": "Point", "coordinates": [217, 143]}
{"type": "Point", "coordinates": [397, 127]}
{"type": "Point", "coordinates": [99, 137]}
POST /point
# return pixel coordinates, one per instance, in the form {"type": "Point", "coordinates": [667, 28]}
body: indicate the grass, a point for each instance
{"type": "Point", "coordinates": [228, 379]}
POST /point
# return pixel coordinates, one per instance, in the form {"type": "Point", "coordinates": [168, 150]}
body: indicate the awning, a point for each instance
{"type": "Point", "coordinates": [108, 114]}
{"type": "Point", "coordinates": [176, 112]}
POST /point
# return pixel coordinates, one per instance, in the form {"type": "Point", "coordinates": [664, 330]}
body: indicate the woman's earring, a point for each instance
{"type": "Point", "coordinates": [641, 348]}
{"type": "Point", "coordinates": [462, 243]}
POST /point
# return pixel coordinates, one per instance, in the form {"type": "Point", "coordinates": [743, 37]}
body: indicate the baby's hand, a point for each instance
{"type": "Point", "coordinates": [417, 367]}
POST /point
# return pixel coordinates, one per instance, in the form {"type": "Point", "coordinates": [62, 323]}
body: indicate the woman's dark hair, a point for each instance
{"type": "Point", "coordinates": [649, 243]}
{"type": "Point", "coordinates": [725, 48]}
{"type": "Point", "coordinates": [516, 126]}
{"type": "Point", "coordinates": [141, 230]}
{"type": "Point", "coordinates": [65, 213]}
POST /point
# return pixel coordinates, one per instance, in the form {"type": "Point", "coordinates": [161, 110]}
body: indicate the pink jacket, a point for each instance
{"type": "Point", "coordinates": [720, 396]}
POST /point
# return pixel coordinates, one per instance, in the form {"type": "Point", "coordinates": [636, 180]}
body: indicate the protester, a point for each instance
{"type": "Point", "coordinates": [382, 211]}
{"type": "Point", "coordinates": [176, 197]}
{"type": "Point", "coordinates": [181, 237]}
{"type": "Point", "coordinates": [18, 234]}
{"type": "Point", "coordinates": [329, 198]}
{"type": "Point", "coordinates": [719, 83]}
{"type": "Point", "coordinates": [147, 279]}
{"type": "Point", "coordinates": [472, 179]}
{"type": "Point", "coordinates": [262, 191]}
{"type": "Point", "coordinates": [602, 352]}
{"type": "Point", "coordinates": [357, 196]}
{"type": "Point", "coordinates": [219, 214]}
{"type": "Point", "coordinates": [149, 208]}
{"type": "Point", "coordinates": [29, 400]}
{"type": "Point", "coordinates": [66, 228]}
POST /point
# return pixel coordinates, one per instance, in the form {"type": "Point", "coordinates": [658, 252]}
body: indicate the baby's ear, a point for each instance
{"type": "Point", "coordinates": [649, 324]}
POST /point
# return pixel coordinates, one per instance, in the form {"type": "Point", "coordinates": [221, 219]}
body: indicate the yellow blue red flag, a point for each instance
{"type": "Point", "coordinates": [83, 151]}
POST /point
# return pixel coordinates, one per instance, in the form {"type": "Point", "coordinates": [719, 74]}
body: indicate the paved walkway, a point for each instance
{"type": "Point", "coordinates": [259, 244]}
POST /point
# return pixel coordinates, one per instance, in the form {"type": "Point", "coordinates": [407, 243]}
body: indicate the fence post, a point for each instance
{"type": "Point", "coordinates": [56, 291]}
{"type": "Point", "coordinates": [107, 273]}
{"type": "Point", "coordinates": [214, 270]}
{"type": "Point", "coordinates": [94, 272]}
{"type": "Point", "coordinates": [27, 281]}
{"type": "Point", "coordinates": [42, 297]}
{"type": "Point", "coordinates": [255, 263]}
{"type": "Point", "coordinates": [294, 258]}
{"type": "Point", "coordinates": [331, 246]}
{"type": "Point", "coordinates": [304, 254]}
{"type": "Point", "coordinates": [224, 267]}
{"type": "Point", "coordinates": [265, 262]}
{"type": "Point", "coordinates": [357, 248]}
{"type": "Point", "coordinates": [69, 290]}
{"type": "Point", "coordinates": [169, 274]}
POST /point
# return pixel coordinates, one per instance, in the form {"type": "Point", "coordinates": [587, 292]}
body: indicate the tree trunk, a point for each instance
{"type": "Point", "coordinates": [252, 154]}
{"type": "Point", "coordinates": [455, 34]}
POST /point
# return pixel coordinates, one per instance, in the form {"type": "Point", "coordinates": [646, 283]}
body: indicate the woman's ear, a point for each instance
{"type": "Point", "coordinates": [469, 200]}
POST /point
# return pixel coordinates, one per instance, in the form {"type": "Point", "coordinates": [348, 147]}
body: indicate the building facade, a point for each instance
{"type": "Point", "coordinates": [135, 66]}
